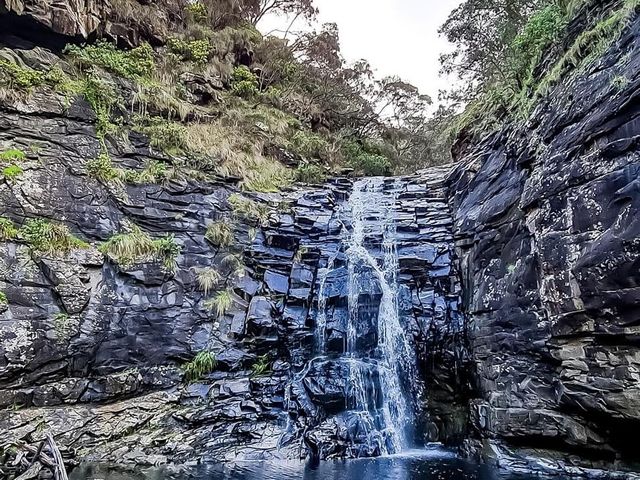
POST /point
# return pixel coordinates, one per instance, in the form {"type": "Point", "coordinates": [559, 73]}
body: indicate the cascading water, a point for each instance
{"type": "Point", "coordinates": [377, 353]}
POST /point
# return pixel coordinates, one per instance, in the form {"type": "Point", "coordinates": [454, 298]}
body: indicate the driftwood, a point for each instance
{"type": "Point", "coordinates": [29, 460]}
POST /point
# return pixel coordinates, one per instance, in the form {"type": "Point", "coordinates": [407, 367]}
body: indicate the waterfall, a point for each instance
{"type": "Point", "coordinates": [377, 352]}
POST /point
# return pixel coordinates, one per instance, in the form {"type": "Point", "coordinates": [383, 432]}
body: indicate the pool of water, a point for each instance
{"type": "Point", "coordinates": [430, 464]}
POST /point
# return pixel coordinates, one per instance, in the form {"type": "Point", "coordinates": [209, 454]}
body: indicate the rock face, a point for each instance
{"type": "Point", "coordinates": [548, 234]}
{"type": "Point", "coordinates": [129, 22]}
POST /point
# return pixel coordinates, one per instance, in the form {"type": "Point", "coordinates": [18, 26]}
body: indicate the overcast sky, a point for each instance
{"type": "Point", "coordinates": [398, 37]}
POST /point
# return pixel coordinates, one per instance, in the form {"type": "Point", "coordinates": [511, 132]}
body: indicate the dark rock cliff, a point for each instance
{"type": "Point", "coordinates": [545, 218]}
{"type": "Point", "coordinates": [547, 224]}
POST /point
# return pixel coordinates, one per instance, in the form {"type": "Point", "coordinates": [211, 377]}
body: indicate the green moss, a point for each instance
{"type": "Point", "coordinates": [8, 230]}
{"type": "Point", "coordinates": [202, 364]}
{"type": "Point", "coordinates": [197, 51]}
{"type": "Point", "coordinates": [136, 64]}
{"type": "Point", "coordinates": [12, 172]}
{"type": "Point", "coordinates": [3, 299]}
{"type": "Point", "coordinates": [137, 246]}
{"type": "Point", "coordinates": [49, 238]}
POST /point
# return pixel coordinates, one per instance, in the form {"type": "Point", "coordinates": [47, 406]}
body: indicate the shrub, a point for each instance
{"type": "Point", "coordinates": [12, 155]}
{"type": "Point", "coordinates": [153, 172]}
{"type": "Point", "coordinates": [3, 299]}
{"type": "Point", "coordinates": [310, 173]}
{"type": "Point", "coordinates": [202, 364]}
{"type": "Point", "coordinates": [365, 159]}
{"type": "Point", "coordinates": [220, 234]}
{"type": "Point", "coordinates": [197, 51]}
{"type": "Point", "coordinates": [309, 144]}
{"type": "Point", "coordinates": [25, 78]}
{"type": "Point", "coordinates": [101, 168]}
{"type": "Point", "coordinates": [197, 12]}
{"type": "Point", "coordinates": [49, 238]}
{"type": "Point", "coordinates": [8, 231]}
{"type": "Point", "coordinates": [243, 82]}
{"type": "Point", "coordinates": [527, 48]}
{"type": "Point", "coordinates": [137, 246]}
{"type": "Point", "coordinates": [12, 172]}
{"type": "Point", "coordinates": [168, 137]}
{"type": "Point", "coordinates": [267, 176]}
{"type": "Point", "coordinates": [102, 97]}
{"type": "Point", "coordinates": [136, 64]}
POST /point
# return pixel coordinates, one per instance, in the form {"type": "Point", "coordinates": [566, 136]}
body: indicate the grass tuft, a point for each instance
{"type": "Point", "coordinates": [137, 246]}
{"type": "Point", "coordinates": [49, 238]}
{"type": "Point", "coordinates": [202, 364]}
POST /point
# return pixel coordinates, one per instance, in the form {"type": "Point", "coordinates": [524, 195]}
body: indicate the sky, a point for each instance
{"type": "Point", "coordinates": [398, 37]}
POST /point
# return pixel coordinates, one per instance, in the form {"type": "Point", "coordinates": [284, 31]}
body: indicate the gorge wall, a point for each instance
{"type": "Point", "coordinates": [547, 228]}
{"type": "Point", "coordinates": [533, 234]}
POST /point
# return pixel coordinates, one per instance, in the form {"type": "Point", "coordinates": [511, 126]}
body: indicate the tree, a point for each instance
{"type": "Point", "coordinates": [481, 32]}
{"type": "Point", "coordinates": [256, 10]}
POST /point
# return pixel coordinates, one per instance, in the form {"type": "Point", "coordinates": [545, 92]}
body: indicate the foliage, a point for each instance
{"type": "Point", "coordinates": [365, 158]}
{"type": "Point", "coordinates": [12, 172]}
{"type": "Point", "coordinates": [3, 299]}
{"type": "Point", "coordinates": [539, 32]}
{"type": "Point", "coordinates": [202, 364]}
{"type": "Point", "coordinates": [221, 302]}
{"type": "Point", "coordinates": [310, 173]}
{"type": "Point", "coordinates": [261, 366]}
{"type": "Point", "coordinates": [102, 97]}
{"type": "Point", "coordinates": [309, 144]}
{"type": "Point", "coordinates": [25, 78]}
{"type": "Point", "coordinates": [220, 234]}
{"type": "Point", "coordinates": [136, 64]}
{"type": "Point", "coordinates": [197, 51]}
{"type": "Point", "coordinates": [249, 210]}
{"type": "Point", "coordinates": [12, 155]}
{"type": "Point", "coordinates": [137, 246]}
{"type": "Point", "coordinates": [243, 82]}
{"type": "Point", "coordinates": [101, 168]}
{"type": "Point", "coordinates": [8, 230]}
{"type": "Point", "coordinates": [197, 11]}
{"type": "Point", "coordinates": [49, 238]}
{"type": "Point", "coordinates": [208, 278]}
{"type": "Point", "coordinates": [168, 137]}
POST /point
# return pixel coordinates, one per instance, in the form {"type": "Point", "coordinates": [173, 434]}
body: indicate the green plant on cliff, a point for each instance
{"type": "Point", "coordinates": [221, 302]}
{"type": "Point", "coordinates": [12, 155]}
{"type": "Point", "coordinates": [310, 173]}
{"type": "Point", "coordinates": [261, 366]}
{"type": "Point", "coordinates": [49, 238]}
{"type": "Point", "coordinates": [197, 51]}
{"type": "Point", "coordinates": [202, 364]}
{"type": "Point", "coordinates": [249, 210]}
{"type": "Point", "coordinates": [207, 279]}
{"type": "Point", "coordinates": [168, 137]}
{"type": "Point", "coordinates": [220, 234]}
{"type": "Point", "coordinates": [22, 77]}
{"type": "Point", "coordinates": [3, 299]}
{"type": "Point", "coordinates": [101, 168]}
{"type": "Point", "coordinates": [135, 64]}
{"type": "Point", "coordinates": [244, 83]}
{"type": "Point", "coordinates": [8, 230]}
{"type": "Point", "coordinates": [12, 172]}
{"type": "Point", "coordinates": [137, 246]}
{"type": "Point", "coordinates": [102, 97]}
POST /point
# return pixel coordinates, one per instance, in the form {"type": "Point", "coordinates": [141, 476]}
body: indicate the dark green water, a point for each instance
{"type": "Point", "coordinates": [417, 465]}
